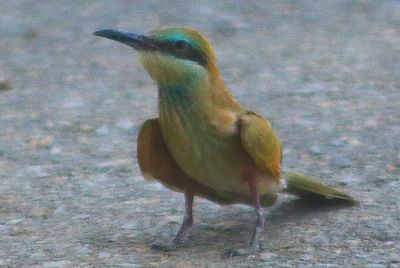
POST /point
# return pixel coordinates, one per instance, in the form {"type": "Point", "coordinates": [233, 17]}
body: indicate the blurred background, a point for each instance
{"type": "Point", "coordinates": [326, 73]}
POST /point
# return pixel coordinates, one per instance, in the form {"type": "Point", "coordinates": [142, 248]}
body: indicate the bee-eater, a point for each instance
{"type": "Point", "coordinates": [205, 142]}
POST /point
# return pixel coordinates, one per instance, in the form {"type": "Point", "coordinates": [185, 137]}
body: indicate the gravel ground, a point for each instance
{"type": "Point", "coordinates": [326, 73]}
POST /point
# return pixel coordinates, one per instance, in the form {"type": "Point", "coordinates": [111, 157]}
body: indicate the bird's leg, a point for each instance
{"type": "Point", "coordinates": [187, 219]}
{"type": "Point", "coordinates": [259, 224]}
{"type": "Point", "coordinates": [254, 245]}
{"type": "Point", "coordinates": [185, 226]}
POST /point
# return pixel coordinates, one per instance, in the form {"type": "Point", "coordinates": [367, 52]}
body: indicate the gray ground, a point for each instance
{"type": "Point", "coordinates": [326, 73]}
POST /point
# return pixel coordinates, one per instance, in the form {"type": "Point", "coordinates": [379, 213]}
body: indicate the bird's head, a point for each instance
{"type": "Point", "coordinates": [171, 55]}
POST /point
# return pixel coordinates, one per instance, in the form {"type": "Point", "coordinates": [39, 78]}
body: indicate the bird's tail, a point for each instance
{"type": "Point", "coordinates": [309, 187]}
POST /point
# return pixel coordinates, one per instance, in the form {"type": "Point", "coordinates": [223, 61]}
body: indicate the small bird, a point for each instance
{"type": "Point", "coordinates": [204, 142]}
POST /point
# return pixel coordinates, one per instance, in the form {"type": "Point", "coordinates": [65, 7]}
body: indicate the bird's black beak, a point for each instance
{"type": "Point", "coordinates": [137, 41]}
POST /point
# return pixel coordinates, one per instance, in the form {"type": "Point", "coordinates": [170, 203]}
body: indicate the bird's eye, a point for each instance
{"type": "Point", "coordinates": [181, 45]}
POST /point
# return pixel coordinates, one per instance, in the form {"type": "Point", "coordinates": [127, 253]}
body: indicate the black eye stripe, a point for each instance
{"type": "Point", "coordinates": [189, 53]}
{"type": "Point", "coordinates": [181, 45]}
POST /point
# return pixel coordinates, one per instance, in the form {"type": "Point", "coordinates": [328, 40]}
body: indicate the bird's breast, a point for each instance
{"type": "Point", "coordinates": [206, 145]}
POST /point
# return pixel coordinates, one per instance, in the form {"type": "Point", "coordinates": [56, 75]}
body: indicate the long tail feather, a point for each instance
{"type": "Point", "coordinates": [309, 187]}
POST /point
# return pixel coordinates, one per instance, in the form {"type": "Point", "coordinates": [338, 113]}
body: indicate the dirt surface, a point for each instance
{"type": "Point", "coordinates": [326, 73]}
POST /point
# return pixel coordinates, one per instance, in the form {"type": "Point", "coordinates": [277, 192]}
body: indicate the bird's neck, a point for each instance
{"type": "Point", "coordinates": [199, 111]}
{"type": "Point", "coordinates": [193, 96]}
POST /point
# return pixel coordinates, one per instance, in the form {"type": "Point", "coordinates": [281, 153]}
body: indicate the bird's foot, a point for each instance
{"type": "Point", "coordinates": [183, 231]}
{"type": "Point", "coordinates": [164, 247]}
{"type": "Point", "coordinates": [241, 252]}
{"type": "Point", "coordinates": [253, 246]}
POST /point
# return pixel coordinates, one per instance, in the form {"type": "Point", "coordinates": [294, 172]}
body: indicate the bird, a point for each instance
{"type": "Point", "coordinates": [204, 142]}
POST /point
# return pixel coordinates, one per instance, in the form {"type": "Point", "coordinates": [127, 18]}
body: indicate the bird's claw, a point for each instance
{"type": "Point", "coordinates": [163, 248]}
{"type": "Point", "coordinates": [230, 253]}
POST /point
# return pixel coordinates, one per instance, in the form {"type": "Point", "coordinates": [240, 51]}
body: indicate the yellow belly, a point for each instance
{"type": "Point", "coordinates": [216, 161]}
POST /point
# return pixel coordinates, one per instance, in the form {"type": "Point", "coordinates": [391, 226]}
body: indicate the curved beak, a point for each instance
{"type": "Point", "coordinates": [137, 41]}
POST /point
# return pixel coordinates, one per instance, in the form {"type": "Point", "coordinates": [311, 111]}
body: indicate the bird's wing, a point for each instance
{"type": "Point", "coordinates": [154, 159]}
{"type": "Point", "coordinates": [261, 142]}
{"type": "Point", "coordinates": [156, 162]}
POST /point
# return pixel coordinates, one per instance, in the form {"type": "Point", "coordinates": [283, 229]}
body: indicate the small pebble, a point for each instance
{"type": "Point", "coordinates": [103, 130]}
{"type": "Point", "coordinates": [55, 150]}
{"type": "Point", "coordinates": [44, 143]}
{"type": "Point", "coordinates": [267, 256]}
{"type": "Point", "coordinates": [339, 142]}
{"type": "Point", "coordinates": [173, 219]}
{"type": "Point", "coordinates": [57, 264]}
{"type": "Point", "coordinates": [320, 240]}
{"type": "Point", "coordinates": [312, 90]}
{"type": "Point", "coordinates": [375, 265]}
{"type": "Point", "coordinates": [225, 27]}
{"type": "Point", "coordinates": [395, 259]}
{"type": "Point", "coordinates": [129, 226]}
{"type": "Point", "coordinates": [340, 162]}
{"type": "Point", "coordinates": [104, 254]}
{"type": "Point", "coordinates": [317, 150]}
{"type": "Point", "coordinates": [43, 212]}
{"type": "Point", "coordinates": [125, 124]}
{"type": "Point", "coordinates": [305, 123]}
{"type": "Point", "coordinates": [393, 166]}
{"type": "Point", "coordinates": [37, 256]}
{"type": "Point", "coordinates": [85, 250]}
{"type": "Point", "coordinates": [73, 103]}
{"type": "Point", "coordinates": [128, 265]}
{"type": "Point", "coordinates": [348, 180]}
{"type": "Point", "coordinates": [14, 221]}
{"type": "Point", "coordinates": [38, 171]}
{"type": "Point", "coordinates": [142, 248]}
{"type": "Point", "coordinates": [371, 123]}
{"type": "Point", "coordinates": [31, 34]}
{"type": "Point", "coordinates": [5, 85]}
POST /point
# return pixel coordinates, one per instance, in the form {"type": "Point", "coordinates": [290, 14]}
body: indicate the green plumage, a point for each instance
{"type": "Point", "coordinates": [309, 187]}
